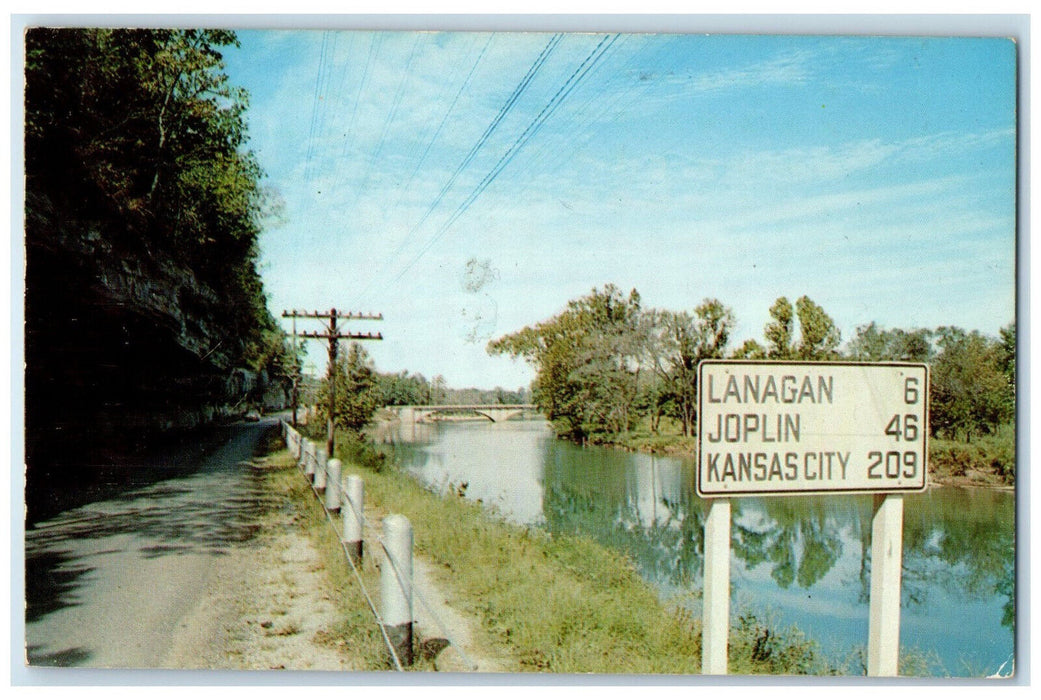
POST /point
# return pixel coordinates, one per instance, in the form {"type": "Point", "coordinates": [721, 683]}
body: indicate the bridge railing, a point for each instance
{"type": "Point", "coordinates": [493, 412]}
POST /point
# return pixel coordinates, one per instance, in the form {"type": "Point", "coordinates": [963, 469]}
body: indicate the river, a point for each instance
{"type": "Point", "coordinates": [801, 561]}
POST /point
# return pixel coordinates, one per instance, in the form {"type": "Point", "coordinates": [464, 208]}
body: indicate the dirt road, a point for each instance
{"type": "Point", "coordinates": [109, 583]}
{"type": "Point", "coordinates": [204, 569]}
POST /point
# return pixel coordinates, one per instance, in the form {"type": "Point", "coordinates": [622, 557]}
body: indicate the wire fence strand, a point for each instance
{"type": "Point", "coordinates": [429, 608]}
{"type": "Point", "coordinates": [350, 560]}
{"type": "Point", "coordinates": [360, 515]}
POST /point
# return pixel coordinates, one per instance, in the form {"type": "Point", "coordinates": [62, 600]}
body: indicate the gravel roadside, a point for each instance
{"type": "Point", "coordinates": [264, 609]}
{"type": "Point", "coordinates": [267, 605]}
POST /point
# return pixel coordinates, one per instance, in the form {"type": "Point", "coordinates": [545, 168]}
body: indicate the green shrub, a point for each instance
{"type": "Point", "coordinates": [353, 448]}
{"type": "Point", "coordinates": [760, 646]}
{"type": "Point", "coordinates": [1000, 453]}
{"type": "Point", "coordinates": [993, 454]}
{"type": "Point", "coordinates": [955, 459]}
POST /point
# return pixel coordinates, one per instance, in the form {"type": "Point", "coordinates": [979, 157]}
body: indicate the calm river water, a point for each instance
{"type": "Point", "coordinates": [801, 561]}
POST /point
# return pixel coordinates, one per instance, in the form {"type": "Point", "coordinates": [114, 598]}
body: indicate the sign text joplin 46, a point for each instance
{"type": "Point", "coordinates": [811, 427]}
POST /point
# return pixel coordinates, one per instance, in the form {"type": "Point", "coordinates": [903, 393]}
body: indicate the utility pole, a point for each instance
{"type": "Point", "coordinates": [296, 375]}
{"type": "Point", "coordinates": [333, 335]}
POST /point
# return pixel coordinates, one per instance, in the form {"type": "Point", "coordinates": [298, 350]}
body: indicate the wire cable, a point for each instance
{"type": "Point", "coordinates": [504, 110]}
{"type": "Point", "coordinates": [387, 122]}
{"type": "Point", "coordinates": [422, 599]}
{"type": "Point", "coordinates": [533, 128]}
{"type": "Point", "coordinates": [444, 119]}
{"type": "Point", "coordinates": [350, 560]}
{"type": "Point", "coordinates": [315, 102]}
{"type": "Point", "coordinates": [297, 439]}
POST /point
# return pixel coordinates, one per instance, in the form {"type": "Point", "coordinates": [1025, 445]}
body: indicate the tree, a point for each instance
{"type": "Point", "coordinates": [438, 390]}
{"type": "Point", "coordinates": [779, 332]}
{"type": "Point", "coordinates": [403, 389]}
{"type": "Point", "coordinates": [818, 336]}
{"type": "Point", "coordinates": [871, 343]}
{"type": "Point", "coordinates": [275, 358]}
{"type": "Point", "coordinates": [1007, 359]}
{"type": "Point", "coordinates": [607, 358]}
{"type": "Point", "coordinates": [970, 393]}
{"type": "Point", "coordinates": [587, 361]}
{"type": "Point", "coordinates": [750, 350]}
{"type": "Point", "coordinates": [358, 394]}
{"type": "Point", "coordinates": [679, 342]}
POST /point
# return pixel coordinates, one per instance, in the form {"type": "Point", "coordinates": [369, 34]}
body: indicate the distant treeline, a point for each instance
{"type": "Point", "coordinates": [605, 364]}
{"type": "Point", "coordinates": [361, 390]}
{"type": "Point", "coordinates": [404, 389]}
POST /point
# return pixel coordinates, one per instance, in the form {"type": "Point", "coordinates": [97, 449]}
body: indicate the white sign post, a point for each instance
{"type": "Point", "coordinates": [798, 428]}
{"type": "Point", "coordinates": [887, 525]}
{"type": "Point", "coordinates": [715, 600]}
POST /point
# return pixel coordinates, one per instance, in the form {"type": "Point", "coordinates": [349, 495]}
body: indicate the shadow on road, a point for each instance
{"type": "Point", "coordinates": [199, 499]}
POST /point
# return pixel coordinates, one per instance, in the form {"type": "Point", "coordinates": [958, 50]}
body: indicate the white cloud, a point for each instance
{"type": "Point", "coordinates": [787, 68]}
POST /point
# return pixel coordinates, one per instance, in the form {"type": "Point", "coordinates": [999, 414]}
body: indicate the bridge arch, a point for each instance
{"type": "Point", "coordinates": [495, 413]}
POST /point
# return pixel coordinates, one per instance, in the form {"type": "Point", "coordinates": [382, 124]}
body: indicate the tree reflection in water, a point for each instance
{"type": "Point", "coordinates": [814, 552]}
{"type": "Point", "coordinates": [958, 544]}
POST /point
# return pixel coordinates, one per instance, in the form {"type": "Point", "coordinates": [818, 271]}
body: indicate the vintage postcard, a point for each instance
{"type": "Point", "coordinates": [508, 352]}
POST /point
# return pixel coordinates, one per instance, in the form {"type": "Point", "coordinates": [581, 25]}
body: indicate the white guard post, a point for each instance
{"type": "Point", "coordinates": [353, 508]}
{"type": "Point", "coordinates": [333, 486]}
{"type": "Point", "coordinates": [396, 585]}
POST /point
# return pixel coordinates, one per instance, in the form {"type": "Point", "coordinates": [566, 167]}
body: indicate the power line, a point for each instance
{"type": "Point", "coordinates": [444, 119]}
{"type": "Point", "coordinates": [387, 122]}
{"type": "Point", "coordinates": [507, 106]}
{"type": "Point", "coordinates": [533, 128]}
{"type": "Point", "coordinates": [433, 139]}
{"type": "Point", "coordinates": [315, 102]}
{"type": "Point", "coordinates": [325, 100]}
{"type": "Point", "coordinates": [582, 124]}
{"type": "Point", "coordinates": [503, 111]}
{"type": "Point", "coordinates": [374, 48]}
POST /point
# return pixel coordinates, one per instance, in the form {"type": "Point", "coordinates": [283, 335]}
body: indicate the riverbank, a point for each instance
{"type": "Point", "coordinates": [987, 463]}
{"type": "Point", "coordinates": [565, 604]}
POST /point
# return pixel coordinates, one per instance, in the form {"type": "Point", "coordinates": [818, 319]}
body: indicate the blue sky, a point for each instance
{"type": "Point", "coordinates": [876, 175]}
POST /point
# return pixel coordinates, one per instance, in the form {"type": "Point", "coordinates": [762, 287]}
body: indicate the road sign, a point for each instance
{"type": "Point", "coordinates": [773, 428]}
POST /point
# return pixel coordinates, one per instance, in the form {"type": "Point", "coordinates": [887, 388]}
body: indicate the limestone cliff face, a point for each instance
{"type": "Point", "coordinates": [120, 341]}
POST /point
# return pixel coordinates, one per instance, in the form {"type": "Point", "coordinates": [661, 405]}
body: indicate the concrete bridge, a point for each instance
{"type": "Point", "coordinates": [494, 412]}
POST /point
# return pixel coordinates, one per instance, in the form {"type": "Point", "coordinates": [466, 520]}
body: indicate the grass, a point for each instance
{"type": "Point", "coordinates": [564, 605]}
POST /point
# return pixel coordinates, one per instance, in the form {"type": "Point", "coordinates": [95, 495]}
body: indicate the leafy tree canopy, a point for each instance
{"type": "Point", "coordinates": [138, 134]}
